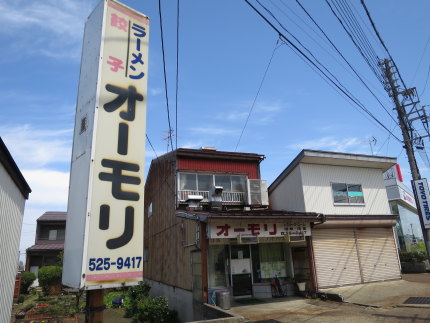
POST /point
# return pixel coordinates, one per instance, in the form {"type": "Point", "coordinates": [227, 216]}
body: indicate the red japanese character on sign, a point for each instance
{"type": "Point", "coordinates": [223, 230]}
{"type": "Point", "coordinates": [239, 229]}
{"type": "Point", "coordinates": [272, 233]}
{"type": "Point", "coordinates": [254, 228]}
{"type": "Point", "coordinates": [118, 22]}
{"type": "Point", "coordinates": [116, 64]}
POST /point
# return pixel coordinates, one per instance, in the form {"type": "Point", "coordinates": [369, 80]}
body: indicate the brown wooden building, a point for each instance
{"type": "Point", "coordinates": [49, 241]}
{"type": "Point", "coordinates": [208, 227]}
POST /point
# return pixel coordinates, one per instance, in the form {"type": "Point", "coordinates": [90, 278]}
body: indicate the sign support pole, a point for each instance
{"type": "Point", "coordinates": [95, 306]}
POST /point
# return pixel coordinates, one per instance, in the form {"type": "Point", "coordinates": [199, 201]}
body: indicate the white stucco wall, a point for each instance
{"type": "Point", "coordinates": [318, 197]}
{"type": "Point", "coordinates": [288, 195]}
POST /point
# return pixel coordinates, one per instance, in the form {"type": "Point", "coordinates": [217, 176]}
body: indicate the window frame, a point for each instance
{"type": "Point", "coordinates": [213, 180]}
{"type": "Point", "coordinates": [150, 210]}
{"type": "Point", "coordinates": [347, 194]}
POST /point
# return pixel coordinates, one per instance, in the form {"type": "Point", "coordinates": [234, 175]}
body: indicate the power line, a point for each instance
{"type": "Point", "coordinates": [359, 29]}
{"type": "Point", "coordinates": [382, 41]}
{"type": "Point", "coordinates": [258, 92]}
{"type": "Point", "coordinates": [165, 76]}
{"type": "Point", "coordinates": [367, 59]}
{"type": "Point", "coordinates": [343, 57]}
{"type": "Point", "coordinates": [339, 86]}
{"type": "Point", "coordinates": [421, 59]}
{"type": "Point", "coordinates": [427, 79]}
{"type": "Point", "coordinates": [177, 71]}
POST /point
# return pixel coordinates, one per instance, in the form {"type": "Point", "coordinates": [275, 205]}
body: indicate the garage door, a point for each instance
{"type": "Point", "coordinates": [336, 260]}
{"type": "Point", "coordinates": [378, 254]}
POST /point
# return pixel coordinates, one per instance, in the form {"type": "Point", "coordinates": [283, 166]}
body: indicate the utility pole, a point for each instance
{"type": "Point", "coordinates": [389, 73]}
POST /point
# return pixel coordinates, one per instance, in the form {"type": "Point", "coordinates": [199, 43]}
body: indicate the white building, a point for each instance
{"type": "Point", "coordinates": [402, 203]}
{"type": "Point", "coordinates": [14, 190]}
{"type": "Point", "coordinates": [356, 243]}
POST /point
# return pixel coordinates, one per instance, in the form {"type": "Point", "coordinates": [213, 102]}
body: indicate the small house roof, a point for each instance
{"type": "Point", "coordinates": [307, 156]}
{"type": "Point", "coordinates": [53, 216]}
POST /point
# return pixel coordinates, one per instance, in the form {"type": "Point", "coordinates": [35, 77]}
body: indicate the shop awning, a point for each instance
{"type": "Point", "coordinates": [267, 215]}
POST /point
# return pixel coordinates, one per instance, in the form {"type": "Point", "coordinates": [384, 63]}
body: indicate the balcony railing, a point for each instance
{"type": "Point", "coordinates": [227, 197]}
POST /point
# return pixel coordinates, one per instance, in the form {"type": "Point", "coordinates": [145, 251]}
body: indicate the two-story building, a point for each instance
{"type": "Point", "coordinates": [356, 243]}
{"type": "Point", "coordinates": [208, 227]}
{"type": "Point", "coordinates": [49, 241]}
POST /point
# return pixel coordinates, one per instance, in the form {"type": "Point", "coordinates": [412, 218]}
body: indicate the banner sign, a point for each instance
{"type": "Point", "coordinates": [422, 190]}
{"type": "Point", "coordinates": [261, 229]}
{"type": "Point", "coordinates": [110, 126]}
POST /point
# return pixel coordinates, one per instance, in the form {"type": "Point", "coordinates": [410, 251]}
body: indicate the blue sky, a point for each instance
{"type": "Point", "coordinates": [224, 50]}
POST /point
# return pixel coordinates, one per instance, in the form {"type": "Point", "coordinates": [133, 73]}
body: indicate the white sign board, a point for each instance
{"type": "Point", "coordinates": [109, 148]}
{"type": "Point", "coordinates": [422, 190]}
{"type": "Point", "coordinates": [221, 230]}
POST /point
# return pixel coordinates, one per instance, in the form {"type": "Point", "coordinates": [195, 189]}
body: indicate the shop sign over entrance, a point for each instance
{"type": "Point", "coordinates": [225, 230]}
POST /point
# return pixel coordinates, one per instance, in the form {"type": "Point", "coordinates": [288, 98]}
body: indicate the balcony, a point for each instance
{"type": "Point", "coordinates": [228, 198]}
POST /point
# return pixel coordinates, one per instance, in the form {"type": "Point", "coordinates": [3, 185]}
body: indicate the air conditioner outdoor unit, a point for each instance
{"type": "Point", "coordinates": [257, 192]}
{"type": "Point", "coordinates": [299, 238]}
{"type": "Point", "coordinates": [247, 239]}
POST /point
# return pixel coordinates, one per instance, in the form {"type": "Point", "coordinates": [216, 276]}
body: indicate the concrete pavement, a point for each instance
{"type": "Point", "coordinates": [379, 302]}
{"type": "Point", "coordinates": [385, 294]}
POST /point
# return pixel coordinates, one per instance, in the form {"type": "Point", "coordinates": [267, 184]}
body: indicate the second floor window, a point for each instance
{"type": "Point", "coordinates": [347, 193]}
{"type": "Point", "coordinates": [49, 233]}
{"type": "Point", "coordinates": [204, 182]}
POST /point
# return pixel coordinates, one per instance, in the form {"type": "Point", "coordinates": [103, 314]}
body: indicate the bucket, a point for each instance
{"type": "Point", "coordinates": [223, 299]}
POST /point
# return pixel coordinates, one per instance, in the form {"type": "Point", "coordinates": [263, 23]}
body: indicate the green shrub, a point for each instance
{"type": "Point", "coordinates": [27, 278]}
{"type": "Point", "coordinates": [49, 275]}
{"type": "Point", "coordinates": [135, 295]}
{"type": "Point", "coordinates": [412, 256]}
{"type": "Point", "coordinates": [155, 310]}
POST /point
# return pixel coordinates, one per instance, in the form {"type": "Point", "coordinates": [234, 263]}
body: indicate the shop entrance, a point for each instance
{"type": "Point", "coordinates": [241, 270]}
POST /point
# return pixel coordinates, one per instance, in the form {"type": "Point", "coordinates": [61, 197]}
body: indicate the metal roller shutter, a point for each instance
{"type": "Point", "coordinates": [336, 259]}
{"type": "Point", "coordinates": [378, 254]}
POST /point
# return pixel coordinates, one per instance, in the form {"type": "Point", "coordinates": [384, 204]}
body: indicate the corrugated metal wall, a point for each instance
{"type": "Point", "coordinates": [288, 195]}
{"type": "Point", "coordinates": [345, 256]}
{"type": "Point", "coordinates": [11, 214]}
{"type": "Point", "coordinates": [336, 259]}
{"type": "Point", "coordinates": [318, 196]}
{"type": "Point", "coordinates": [378, 254]}
{"type": "Point", "coordinates": [220, 166]}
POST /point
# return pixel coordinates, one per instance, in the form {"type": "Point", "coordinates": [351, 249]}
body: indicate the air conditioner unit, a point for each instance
{"type": "Point", "coordinates": [247, 239]}
{"type": "Point", "coordinates": [257, 192]}
{"type": "Point", "coordinates": [299, 238]}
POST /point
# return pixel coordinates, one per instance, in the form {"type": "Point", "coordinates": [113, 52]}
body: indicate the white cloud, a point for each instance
{"type": "Point", "coordinates": [50, 27]}
{"type": "Point", "coordinates": [215, 131]}
{"type": "Point", "coordinates": [33, 148]}
{"type": "Point", "coordinates": [234, 116]}
{"type": "Point", "coordinates": [155, 91]}
{"type": "Point", "coordinates": [351, 144]}
{"type": "Point", "coordinates": [49, 188]}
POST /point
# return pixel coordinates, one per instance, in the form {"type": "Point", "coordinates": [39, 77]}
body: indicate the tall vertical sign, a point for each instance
{"type": "Point", "coordinates": [422, 192]}
{"type": "Point", "coordinates": [104, 232]}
